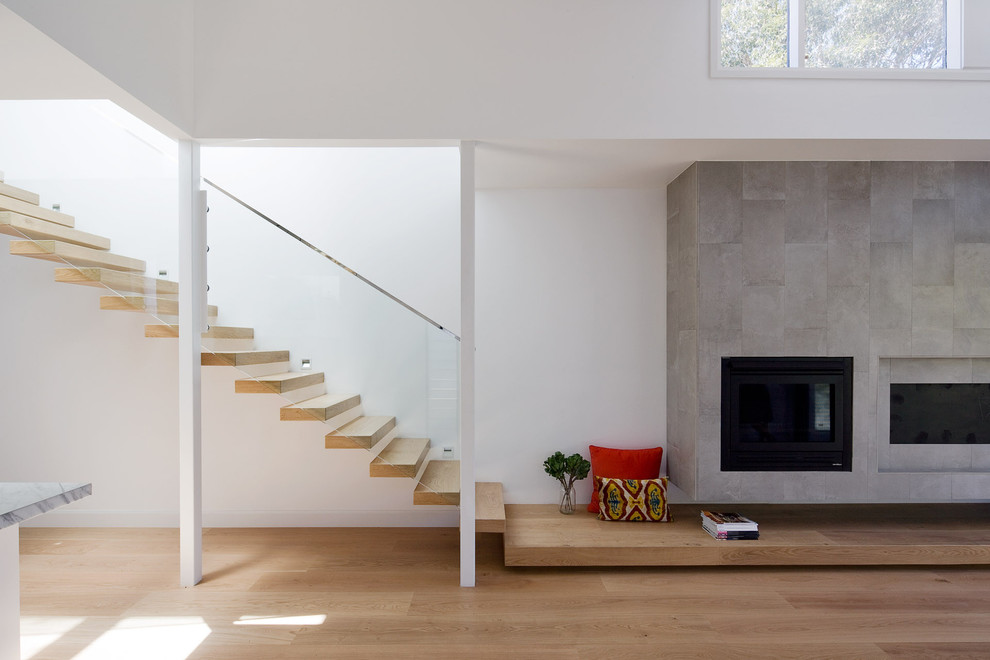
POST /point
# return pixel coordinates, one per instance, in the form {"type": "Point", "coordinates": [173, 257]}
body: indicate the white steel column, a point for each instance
{"type": "Point", "coordinates": [467, 365]}
{"type": "Point", "coordinates": [192, 322]}
{"type": "Point", "coordinates": [10, 594]}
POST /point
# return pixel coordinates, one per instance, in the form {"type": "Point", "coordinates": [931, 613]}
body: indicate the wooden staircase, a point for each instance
{"type": "Point", "coordinates": [85, 259]}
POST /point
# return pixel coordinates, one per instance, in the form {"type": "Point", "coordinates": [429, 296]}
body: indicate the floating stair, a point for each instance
{"type": "Point", "coordinates": [489, 507]}
{"type": "Point", "coordinates": [401, 458]}
{"type": "Point", "coordinates": [158, 306]}
{"type": "Point", "coordinates": [162, 330]}
{"type": "Point", "coordinates": [117, 281]}
{"type": "Point", "coordinates": [278, 383]}
{"type": "Point", "coordinates": [362, 432]}
{"type": "Point", "coordinates": [75, 255]}
{"type": "Point", "coordinates": [242, 358]}
{"type": "Point", "coordinates": [86, 260]}
{"type": "Point", "coordinates": [24, 208]}
{"type": "Point", "coordinates": [440, 484]}
{"type": "Point", "coordinates": [22, 226]}
{"type": "Point", "coordinates": [319, 408]}
{"type": "Point", "coordinates": [26, 196]}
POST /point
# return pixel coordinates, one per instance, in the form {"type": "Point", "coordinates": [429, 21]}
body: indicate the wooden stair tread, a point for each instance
{"type": "Point", "coordinates": [165, 330]}
{"type": "Point", "coordinates": [117, 281]}
{"type": "Point", "coordinates": [163, 306]}
{"type": "Point", "coordinates": [440, 484]}
{"type": "Point", "coordinates": [319, 408]}
{"type": "Point", "coordinates": [76, 255]}
{"type": "Point", "coordinates": [489, 507]}
{"type": "Point", "coordinates": [401, 458]}
{"type": "Point", "coordinates": [363, 431]}
{"type": "Point", "coordinates": [25, 196]}
{"type": "Point", "coordinates": [242, 358]}
{"type": "Point", "coordinates": [20, 206]}
{"type": "Point", "coordinates": [22, 226]}
{"type": "Point", "coordinates": [278, 383]}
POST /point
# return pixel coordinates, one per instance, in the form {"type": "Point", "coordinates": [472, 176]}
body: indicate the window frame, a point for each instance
{"type": "Point", "coordinates": [796, 47]}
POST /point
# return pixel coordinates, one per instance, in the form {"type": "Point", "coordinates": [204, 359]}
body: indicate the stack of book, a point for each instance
{"type": "Point", "coordinates": [729, 526]}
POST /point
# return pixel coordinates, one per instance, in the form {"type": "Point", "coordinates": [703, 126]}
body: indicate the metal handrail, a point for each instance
{"type": "Point", "coordinates": [330, 258]}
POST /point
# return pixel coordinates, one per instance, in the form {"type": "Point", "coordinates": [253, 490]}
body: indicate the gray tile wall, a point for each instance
{"type": "Point", "coordinates": [868, 259]}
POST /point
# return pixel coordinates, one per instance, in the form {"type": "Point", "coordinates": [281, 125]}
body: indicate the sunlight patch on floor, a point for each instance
{"type": "Point", "coordinates": [304, 620]}
{"type": "Point", "coordinates": [39, 632]}
{"type": "Point", "coordinates": [149, 638]}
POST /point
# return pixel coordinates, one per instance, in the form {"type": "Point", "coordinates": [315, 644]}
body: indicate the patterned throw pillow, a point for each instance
{"type": "Point", "coordinates": [632, 499]}
{"type": "Point", "coordinates": [624, 464]}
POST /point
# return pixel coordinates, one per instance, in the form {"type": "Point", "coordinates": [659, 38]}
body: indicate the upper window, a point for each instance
{"type": "Point", "coordinates": [839, 34]}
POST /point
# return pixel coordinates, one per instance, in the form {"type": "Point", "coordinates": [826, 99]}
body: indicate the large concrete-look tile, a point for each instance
{"type": "Point", "coordinates": [889, 343]}
{"type": "Point", "coordinates": [933, 237]}
{"type": "Point", "coordinates": [972, 202]}
{"type": "Point", "coordinates": [720, 297]}
{"type": "Point", "coordinates": [763, 242]}
{"type": "Point", "coordinates": [764, 180]}
{"type": "Point", "coordinates": [892, 190]}
{"type": "Point", "coordinates": [849, 323]}
{"type": "Point", "coordinates": [931, 370]}
{"type": "Point", "coordinates": [972, 486]}
{"type": "Point", "coordinates": [713, 345]}
{"type": "Point", "coordinates": [934, 180]}
{"type": "Point", "coordinates": [798, 342]}
{"type": "Point", "coordinates": [890, 285]}
{"type": "Point", "coordinates": [720, 202]}
{"type": "Point", "coordinates": [970, 342]}
{"type": "Point", "coordinates": [762, 320]}
{"type": "Point", "coordinates": [981, 370]}
{"type": "Point", "coordinates": [806, 202]}
{"type": "Point", "coordinates": [972, 285]}
{"type": "Point", "coordinates": [805, 302]}
{"type": "Point", "coordinates": [849, 180]}
{"type": "Point", "coordinates": [931, 320]}
{"type": "Point", "coordinates": [848, 242]}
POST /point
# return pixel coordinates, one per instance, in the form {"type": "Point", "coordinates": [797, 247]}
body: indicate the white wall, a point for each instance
{"type": "Point", "coordinates": [519, 69]}
{"type": "Point", "coordinates": [478, 69]}
{"type": "Point", "coordinates": [85, 397]}
{"type": "Point", "coordinates": [116, 176]}
{"type": "Point", "coordinates": [571, 291]}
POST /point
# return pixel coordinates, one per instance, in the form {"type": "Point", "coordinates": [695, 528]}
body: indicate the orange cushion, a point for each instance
{"type": "Point", "coordinates": [622, 464]}
{"type": "Point", "coordinates": [633, 499]}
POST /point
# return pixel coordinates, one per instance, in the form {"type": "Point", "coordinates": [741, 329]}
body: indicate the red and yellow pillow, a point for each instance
{"type": "Point", "coordinates": [633, 499]}
{"type": "Point", "coordinates": [622, 464]}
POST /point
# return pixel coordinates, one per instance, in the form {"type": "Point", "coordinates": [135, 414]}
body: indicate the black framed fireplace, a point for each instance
{"type": "Point", "coordinates": [787, 414]}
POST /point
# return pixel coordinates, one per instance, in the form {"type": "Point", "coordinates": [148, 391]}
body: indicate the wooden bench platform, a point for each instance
{"type": "Point", "coordinates": [790, 535]}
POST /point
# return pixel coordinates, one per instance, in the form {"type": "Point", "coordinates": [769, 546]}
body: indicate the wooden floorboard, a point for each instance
{"type": "Point", "coordinates": [378, 593]}
{"type": "Point", "coordinates": [813, 535]}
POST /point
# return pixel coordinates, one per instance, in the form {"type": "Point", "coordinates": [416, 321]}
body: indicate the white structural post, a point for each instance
{"type": "Point", "coordinates": [10, 594]}
{"type": "Point", "coordinates": [467, 365]}
{"type": "Point", "coordinates": [192, 322]}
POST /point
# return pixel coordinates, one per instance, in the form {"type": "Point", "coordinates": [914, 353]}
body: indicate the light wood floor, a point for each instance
{"type": "Point", "coordinates": [392, 593]}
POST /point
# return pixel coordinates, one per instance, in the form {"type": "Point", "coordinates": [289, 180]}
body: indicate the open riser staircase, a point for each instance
{"type": "Point", "coordinates": [86, 259]}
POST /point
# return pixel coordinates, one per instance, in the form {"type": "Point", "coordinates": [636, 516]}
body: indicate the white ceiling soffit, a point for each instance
{"type": "Point", "coordinates": [41, 69]}
{"type": "Point", "coordinates": [654, 163]}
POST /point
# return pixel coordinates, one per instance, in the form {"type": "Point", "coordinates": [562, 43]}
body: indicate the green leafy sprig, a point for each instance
{"type": "Point", "coordinates": [567, 469]}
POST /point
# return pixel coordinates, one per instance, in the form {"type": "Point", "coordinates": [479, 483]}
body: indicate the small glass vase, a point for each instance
{"type": "Point", "coordinates": [567, 499]}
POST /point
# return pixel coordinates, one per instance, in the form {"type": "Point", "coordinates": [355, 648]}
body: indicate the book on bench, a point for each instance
{"type": "Point", "coordinates": [729, 526]}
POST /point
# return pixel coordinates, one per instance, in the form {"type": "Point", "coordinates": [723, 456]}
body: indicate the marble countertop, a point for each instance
{"type": "Point", "coordinates": [20, 501]}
